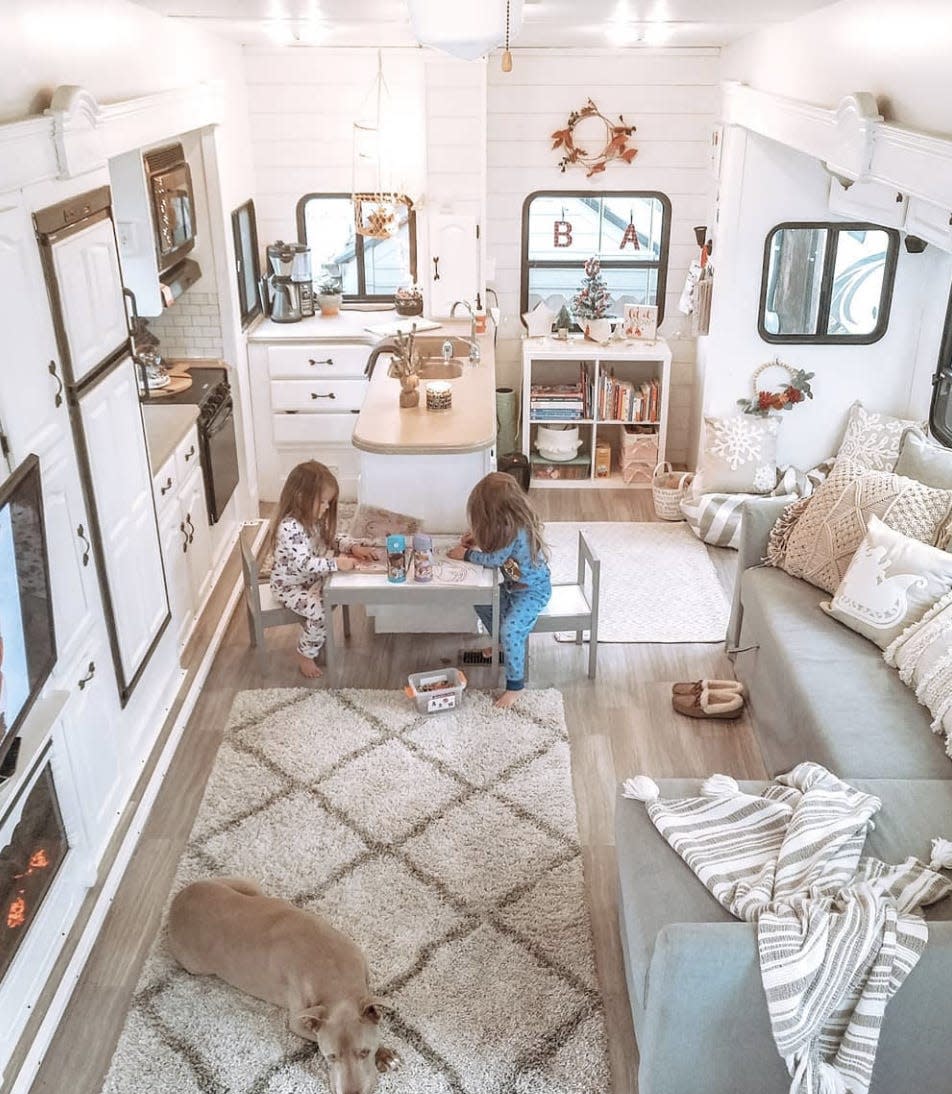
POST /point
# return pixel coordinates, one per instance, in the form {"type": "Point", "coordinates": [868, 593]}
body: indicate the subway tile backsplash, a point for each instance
{"type": "Point", "coordinates": [190, 328]}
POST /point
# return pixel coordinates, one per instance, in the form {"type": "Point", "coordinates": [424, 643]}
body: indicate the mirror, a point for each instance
{"type": "Point", "coordinates": [827, 283]}
{"type": "Point", "coordinates": [940, 413]}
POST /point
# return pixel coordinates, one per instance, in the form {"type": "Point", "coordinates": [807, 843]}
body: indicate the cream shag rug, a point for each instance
{"type": "Point", "coordinates": [658, 583]}
{"type": "Point", "coordinates": [447, 847]}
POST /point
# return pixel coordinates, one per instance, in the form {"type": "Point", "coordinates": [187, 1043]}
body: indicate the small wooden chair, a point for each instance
{"type": "Point", "coordinates": [262, 608]}
{"type": "Point", "coordinates": [575, 607]}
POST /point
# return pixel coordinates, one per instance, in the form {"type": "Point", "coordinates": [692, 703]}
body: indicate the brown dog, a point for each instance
{"type": "Point", "coordinates": [227, 927]}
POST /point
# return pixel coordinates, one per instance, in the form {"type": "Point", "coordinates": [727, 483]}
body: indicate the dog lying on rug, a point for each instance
{"type": "Point", "coordinates": [227, 927]}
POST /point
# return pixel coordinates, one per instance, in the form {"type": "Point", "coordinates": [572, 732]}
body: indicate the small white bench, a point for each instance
{"type": "Point", "coordinates": [574, 607]}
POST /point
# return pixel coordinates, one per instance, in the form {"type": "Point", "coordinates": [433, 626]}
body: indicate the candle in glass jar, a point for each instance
{"type": "Point", "coordinates": [439, 395]}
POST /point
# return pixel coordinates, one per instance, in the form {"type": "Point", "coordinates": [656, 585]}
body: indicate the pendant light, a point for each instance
{"type": "Point", "coordinates": [468, 29]}
{"type": "Point", "coordinates": [376, 204]}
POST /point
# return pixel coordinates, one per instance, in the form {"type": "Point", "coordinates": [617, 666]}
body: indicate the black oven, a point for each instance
{"type": "Point", "coordinates": [219, 451]}
{"type": "Point", "coordinates": [173, 204]}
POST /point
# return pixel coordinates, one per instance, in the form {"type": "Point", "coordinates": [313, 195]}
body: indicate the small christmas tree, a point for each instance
{"type": "Point", "coordinates": [592, 300]}
{"type": "Point", "coordinates": [563, 321]}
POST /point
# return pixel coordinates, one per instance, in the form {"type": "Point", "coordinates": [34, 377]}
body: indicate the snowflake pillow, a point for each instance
{"type": "Point", "coordinates": [739, 456]}
{"type": "Point", "coordinates": [873, 439]}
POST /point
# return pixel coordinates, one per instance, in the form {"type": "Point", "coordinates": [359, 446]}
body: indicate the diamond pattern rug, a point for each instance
{"type": "Point", "coordinates": [447, 847]}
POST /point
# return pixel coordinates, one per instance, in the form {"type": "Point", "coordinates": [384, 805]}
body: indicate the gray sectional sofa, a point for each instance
{"type": "Point", "coordinates": [818, 692]}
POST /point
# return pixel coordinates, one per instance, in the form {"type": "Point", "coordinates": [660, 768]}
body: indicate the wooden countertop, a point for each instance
{"type": "Point", "coordinates": [346, 326]}
{"type": "Point", "coordinates": [165, 427]}
{"type": "Point", "coordinates": [468, 426]}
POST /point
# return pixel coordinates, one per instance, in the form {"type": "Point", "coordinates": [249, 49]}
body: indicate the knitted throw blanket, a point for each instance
{"type": "Point", "coordinates": [837, 932]}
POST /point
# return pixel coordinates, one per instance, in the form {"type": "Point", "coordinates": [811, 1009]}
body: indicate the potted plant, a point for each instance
{"type": "Point", "coordinates": [403, 367]}
{"type": "Point", "coordinates": [408, 300]}
{"type": "Point", "coordinates": [329, 295]}
{"type": "Point", "coordinates": [592, 302]}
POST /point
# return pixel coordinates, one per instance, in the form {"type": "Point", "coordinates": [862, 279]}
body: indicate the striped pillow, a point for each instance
{"type": "Point", "coordinates": [715, 518]}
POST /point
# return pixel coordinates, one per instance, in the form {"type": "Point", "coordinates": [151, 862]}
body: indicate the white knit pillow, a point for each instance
{"type": "Point", "coordinates": [872, 439]}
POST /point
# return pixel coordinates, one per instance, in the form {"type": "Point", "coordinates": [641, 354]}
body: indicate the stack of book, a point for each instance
{"type": "Point", "coordinates": [557, 403]}
{"type": "Point", "coordinates": [625, 401]}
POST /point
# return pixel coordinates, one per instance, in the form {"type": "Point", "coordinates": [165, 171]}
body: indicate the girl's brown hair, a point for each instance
{"type": "Point", "coordinates": [305, 488]}
{"type": "Point", "coordinates": [498, 510]}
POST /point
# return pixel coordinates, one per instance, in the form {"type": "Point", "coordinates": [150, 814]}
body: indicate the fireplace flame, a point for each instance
{"type": "Point", "coordinates": [16, 912]}
{"type": "Point", "coordinates": [39, 859]}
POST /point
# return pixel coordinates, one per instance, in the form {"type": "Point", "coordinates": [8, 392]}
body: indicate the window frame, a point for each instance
{"type": "Point", "coordinates": [833, 227]}
{"type": "Point", "coordinates": [661, 263]}
{"type": "Point", "coordinates": [361, 296]}
{"type": "Point", "coordinates": [256, 309]}
{"type": "Point", "coordinates": [943, 377]}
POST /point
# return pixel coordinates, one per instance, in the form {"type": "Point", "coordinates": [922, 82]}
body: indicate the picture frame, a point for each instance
{"type": "Point", "coordinates": [641, 322]}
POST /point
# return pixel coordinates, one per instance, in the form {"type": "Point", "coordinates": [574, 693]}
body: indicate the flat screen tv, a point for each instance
{"type": "Point", "coordinates": [27, 639]}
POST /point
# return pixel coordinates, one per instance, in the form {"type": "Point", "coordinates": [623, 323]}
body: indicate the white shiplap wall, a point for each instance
{"type": "Point", "coordinates": [672, 96]}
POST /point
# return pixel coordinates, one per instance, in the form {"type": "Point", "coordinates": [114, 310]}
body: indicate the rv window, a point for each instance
{"type": "Point", "coordinates": [247, 263]}
{"type": "Point", "coordinates": [827, 283]}
{"type": "Point", "coordinates": [368, 268]}
{"type": "Point", "coordinates": [940, 416]}
{"type": "Point", "coordinates": [627, 229]}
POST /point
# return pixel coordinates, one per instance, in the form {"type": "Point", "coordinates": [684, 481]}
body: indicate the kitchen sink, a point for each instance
{"type": "Point", "coordinates": [438, 369]}
{"type": "Point", "coordinates": [432, 347]}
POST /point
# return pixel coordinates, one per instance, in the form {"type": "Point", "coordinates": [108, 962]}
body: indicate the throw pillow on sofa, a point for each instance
{"type": "Point", "coordinates": [891, 583]}
{"type": "Point", "coordinates": [825, 538]}
{"type": "Point", "coordinates": [923, 656]}
{"type": "Point", "coordinates": [739, 456]}
{"type": "Point", "coordinates": [922, 459]}
{"type": "Point", "coordinates": [872, 439]}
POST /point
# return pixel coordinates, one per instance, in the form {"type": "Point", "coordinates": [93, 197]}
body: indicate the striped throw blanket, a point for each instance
{"type": "Point", "coordinates": [837, 932]}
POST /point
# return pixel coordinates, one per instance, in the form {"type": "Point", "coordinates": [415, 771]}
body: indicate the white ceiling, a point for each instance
{"type": "Point", "coordinates": [584, 24]}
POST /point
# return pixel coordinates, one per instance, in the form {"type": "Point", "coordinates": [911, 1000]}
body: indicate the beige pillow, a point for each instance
{"type": "Point", "coordinates": [824, 539]}
{"type": "Point", "coordinates": [739, 456]}
{"type": "Point", "coordinates": [922, 459]}
{"type": "Point", "coordinates": [891, 583]}
{"type": "Point", "coordinates": [923, 656]}
{"type": "Point", "coordinates": [872, 439]}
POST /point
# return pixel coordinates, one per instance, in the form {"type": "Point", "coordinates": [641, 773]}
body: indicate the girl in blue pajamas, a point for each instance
{"type": "Point", "coordinates": [505, 532]}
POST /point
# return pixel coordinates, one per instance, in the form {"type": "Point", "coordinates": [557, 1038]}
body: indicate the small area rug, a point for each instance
{"type": "Point", "coordinates": [658, 583]}
{"type": "Point", "coordinates": [447, 847]}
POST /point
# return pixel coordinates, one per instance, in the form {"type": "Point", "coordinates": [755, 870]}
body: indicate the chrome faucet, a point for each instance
{"type": "Point", "coordinates": [474, 355]}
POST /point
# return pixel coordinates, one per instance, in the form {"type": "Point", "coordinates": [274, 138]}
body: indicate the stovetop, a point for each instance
{"type": "Point", "coordinates": [204, 381]}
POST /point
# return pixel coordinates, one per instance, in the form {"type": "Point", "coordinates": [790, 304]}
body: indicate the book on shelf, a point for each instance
{"type": "Point", "coordinates": [626, 401]}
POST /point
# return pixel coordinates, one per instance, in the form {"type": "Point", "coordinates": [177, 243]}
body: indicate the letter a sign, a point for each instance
{"type": "Point", "coordinates": [630, 236]}
{"type": "Point", "coordinates": [561, 233]}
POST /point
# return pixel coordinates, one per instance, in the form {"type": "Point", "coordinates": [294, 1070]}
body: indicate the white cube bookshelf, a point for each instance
{"type": "Point", "coordinates": [550, 361]}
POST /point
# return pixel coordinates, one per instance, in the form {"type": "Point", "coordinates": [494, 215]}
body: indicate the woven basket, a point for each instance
{"type": "Point", "coordinates": [668, 488]}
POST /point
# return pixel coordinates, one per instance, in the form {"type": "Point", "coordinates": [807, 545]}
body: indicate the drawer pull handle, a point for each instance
{"type": "Point", "coordinates": [184, 532]}
{"type": "Point", "coordinates": [191, 528]}
{"type": "Point", "coordinates": [325, 361]}
{"type": "Point", "coordinates": [329, 395]}
{"type": "Point", "coordinates": [190, 453]}
{"type": "Point", "coordinates": [81, 532]}
{"type": "Point", "coordinates": [58, 397]}
{"type": "Point", "coordinates": [90, 673]}
{"type": "Point", "coordinates": [436, 268]}
{"type": "Point", "coordinates": [163, 490]}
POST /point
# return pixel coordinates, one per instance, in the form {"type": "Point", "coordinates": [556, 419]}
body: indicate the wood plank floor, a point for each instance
{"type": "Point", "coordinates": [619, 725]}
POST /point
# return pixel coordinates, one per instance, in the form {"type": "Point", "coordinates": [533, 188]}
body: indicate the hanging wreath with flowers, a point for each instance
{"type": "Point", "coordinates": [764, 401]}
{"type": "Point", "coordinates": [614, 144]}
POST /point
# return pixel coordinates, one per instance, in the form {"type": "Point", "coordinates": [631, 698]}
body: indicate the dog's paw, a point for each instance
{"type": "Point", "coordinates": [387, 1059]}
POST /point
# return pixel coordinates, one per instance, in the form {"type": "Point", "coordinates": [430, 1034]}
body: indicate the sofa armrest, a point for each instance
{"type": "Point", "coordinates": [758, 516]}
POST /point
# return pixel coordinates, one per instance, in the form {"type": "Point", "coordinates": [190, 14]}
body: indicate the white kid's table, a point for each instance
{"type": "Point", "coordinates": [480, 585]}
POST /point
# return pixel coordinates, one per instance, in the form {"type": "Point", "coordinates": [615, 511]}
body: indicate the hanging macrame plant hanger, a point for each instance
{"type": "Point", "coordinates": [376, 206]}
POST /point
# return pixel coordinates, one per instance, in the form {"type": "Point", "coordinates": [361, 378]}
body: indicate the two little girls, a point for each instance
{"type": "Point", "coordinates": [504, 532]}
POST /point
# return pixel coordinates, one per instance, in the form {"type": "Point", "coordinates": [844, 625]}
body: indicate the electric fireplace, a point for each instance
{"type": "Point", "coordinates": [33, 852]}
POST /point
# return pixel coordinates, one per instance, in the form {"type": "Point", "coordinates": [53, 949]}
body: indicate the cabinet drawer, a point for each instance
{"type": "Point", "coordinates": [313, 428]}
{"type": "Point", "coordinates": [317, 395]}
{"type": "Point", "coordinates": [165, 485]}
{"type": "Point", "coordinates": [186, 455]}
{"type": "Point", "coordinates": [323, 361]}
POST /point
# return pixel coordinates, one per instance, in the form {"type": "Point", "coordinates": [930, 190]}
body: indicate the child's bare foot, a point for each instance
{"type": "Point", "coordinates": [506, 699]}
{"type": "Point", "coordinates": [308, 667]}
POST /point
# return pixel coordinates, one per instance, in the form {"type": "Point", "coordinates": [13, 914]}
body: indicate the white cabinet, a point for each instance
{"type": "Point", "coordinates": [454, 268]}
{"type": "Point", "coordinates": [121, 487]}
{"type": "Point", "coordinates": [306, 397]}
{"type": "Point", "coordinates": [92, 306]}
{"type": "Point", "coordinates": [185, 535]}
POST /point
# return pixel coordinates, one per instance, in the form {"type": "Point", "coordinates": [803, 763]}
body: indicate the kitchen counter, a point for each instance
{"type": "Point", "coordinates": [386, 428]}
{"type": "Point", "coordinates": [165, 427]}
{"type": "Point", "coordinates": [346, 326]}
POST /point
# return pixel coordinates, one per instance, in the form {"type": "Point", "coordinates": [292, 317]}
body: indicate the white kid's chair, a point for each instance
{"type": "Point", "coordinates": [575, 607]}
{"type": "Point", "coordinates": [261, 607]}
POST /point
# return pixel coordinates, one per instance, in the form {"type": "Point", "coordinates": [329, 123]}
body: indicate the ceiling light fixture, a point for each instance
{"type": "Point", "coordinates": [468, 29]}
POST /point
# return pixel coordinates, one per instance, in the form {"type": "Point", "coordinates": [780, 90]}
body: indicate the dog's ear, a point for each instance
{"type": "Point", "coordinates": [313, 1018]}
{"type": "Point", "coordinates": [372, 1008]}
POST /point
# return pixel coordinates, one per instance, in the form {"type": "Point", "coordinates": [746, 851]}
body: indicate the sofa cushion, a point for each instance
{"type": "Point", "coordinates": [821, 692]}
{"type": "Point", "coordinates": [657, 888]}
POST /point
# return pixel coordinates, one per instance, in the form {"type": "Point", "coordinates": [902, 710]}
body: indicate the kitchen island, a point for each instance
{"type": "Point", "coordinates": [425, 462]}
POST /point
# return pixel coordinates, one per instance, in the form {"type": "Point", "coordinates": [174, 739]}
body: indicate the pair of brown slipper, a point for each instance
{"type": "Point", "coordinates": [709, 698]}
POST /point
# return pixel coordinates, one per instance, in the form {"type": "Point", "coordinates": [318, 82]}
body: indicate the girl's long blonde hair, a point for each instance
{"type": "Point", "coordinates": [305, 488]}
{"type": "Point", "coordinates": [498, 510]}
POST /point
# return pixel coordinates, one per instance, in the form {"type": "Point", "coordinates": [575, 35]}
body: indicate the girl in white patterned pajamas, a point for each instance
{"type": "Point", "coordinates": [304, 536]}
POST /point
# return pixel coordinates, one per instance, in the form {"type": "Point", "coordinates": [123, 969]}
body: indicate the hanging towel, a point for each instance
{"type": "Point", "coordinates": [837, 933]}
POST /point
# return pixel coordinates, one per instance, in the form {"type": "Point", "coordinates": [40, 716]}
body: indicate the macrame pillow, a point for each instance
{"type": "Point", "coordinates": [923, 656]}
{"type": "Point", "coordinates": [872, 439]}
{"type": "Point", "coordinates": [825, 538]}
